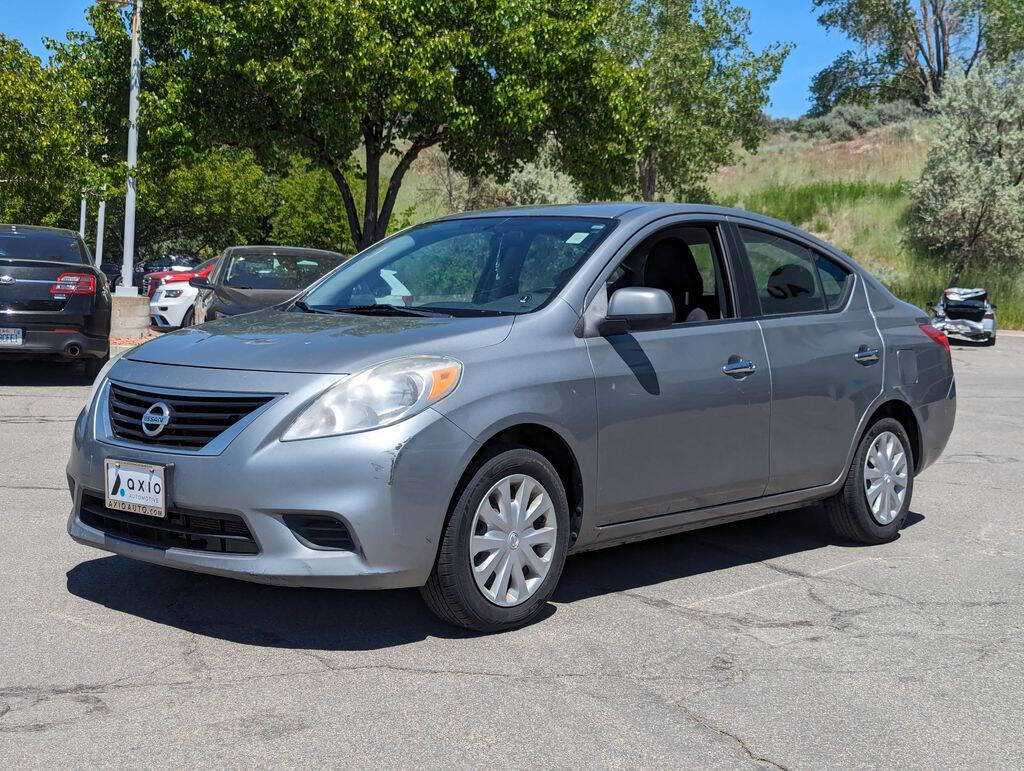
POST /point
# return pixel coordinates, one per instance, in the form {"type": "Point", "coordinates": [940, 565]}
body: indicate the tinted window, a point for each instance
{"type": "Point", "coordinates": [784, 274]}
{"type": "Point", "coordinates": [472, 266]}
{"type": "Point", "coordinates": [40, 245]}
{"type": "Point", "coordinates": [833, 280]}
{"type": "Point", "coordinates": [266, 270]}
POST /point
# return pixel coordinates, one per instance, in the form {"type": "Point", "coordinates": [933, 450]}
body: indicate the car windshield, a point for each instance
{"type": "Point", "coordinates": [268, 270]}
{"type": "Point", "coordinates": [40, 245]}
{"type": "Point", "coordinates": [474, 266]}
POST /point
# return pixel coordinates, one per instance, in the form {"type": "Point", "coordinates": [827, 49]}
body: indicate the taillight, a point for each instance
{"type": "Point", "coordinates": [407, 299]}
{"type": "Point", "coordinates": [74, 283]}
{"type": "Point", "coordinates": [990, 316]}
{"type": "Point", "coordinates": [936, 334]}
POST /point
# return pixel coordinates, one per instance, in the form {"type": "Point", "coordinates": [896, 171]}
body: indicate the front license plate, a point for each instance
{"type": "Point", "coordinates": [9, 336]}
{"type": "Point", "coordinates": [138, 488]}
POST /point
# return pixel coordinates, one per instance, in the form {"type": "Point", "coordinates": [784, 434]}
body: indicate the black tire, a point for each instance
{"type": "Point", "coordinates": [93, 365]}
{"type": "Point", "coordinates": [991, 340]}
{"type": "Point", "coordinates": [451, 591]}
{"type": "Point", "coordinates": [189, 318]}
{"type": "Point", "coordinates": [848, 510]}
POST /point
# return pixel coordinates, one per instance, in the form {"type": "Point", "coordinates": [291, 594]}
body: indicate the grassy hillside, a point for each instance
{"type": "Point", "coordinates": [853, 194]}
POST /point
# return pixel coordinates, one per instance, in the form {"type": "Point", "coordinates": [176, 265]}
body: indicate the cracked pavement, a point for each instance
{"type": "Point", "coordinates": [762, 643]}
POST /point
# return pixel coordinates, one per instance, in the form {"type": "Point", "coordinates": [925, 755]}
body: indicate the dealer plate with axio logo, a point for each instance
{"type": "Point", "coordinates": [137, 488]}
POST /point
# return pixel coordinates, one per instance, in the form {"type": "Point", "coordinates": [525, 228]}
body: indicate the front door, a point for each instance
{"type": "Point", "coordinates": [683, 412]}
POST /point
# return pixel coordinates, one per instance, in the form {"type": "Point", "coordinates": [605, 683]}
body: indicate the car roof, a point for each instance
{"type": "Point", "coordinates": [39, 229]}
{"type": "Point", "coordinates": [623, 211]}
{"type": "Point", "coordinates": [294, 251]}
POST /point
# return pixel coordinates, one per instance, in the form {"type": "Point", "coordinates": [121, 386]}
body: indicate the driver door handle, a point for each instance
{"type": "Point", "coordinates": [738, 368]}
{"type": "Point", "coordinates": [867, 355]}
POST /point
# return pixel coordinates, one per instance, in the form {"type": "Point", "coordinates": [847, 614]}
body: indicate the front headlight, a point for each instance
{"type": "Point", "coordinates": [170, 294]}
{"type": "Point", "coordinates": [378, 396]}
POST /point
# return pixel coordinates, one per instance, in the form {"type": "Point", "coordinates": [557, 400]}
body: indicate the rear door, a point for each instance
{"type": "Point", "coordinates": [824, 351]}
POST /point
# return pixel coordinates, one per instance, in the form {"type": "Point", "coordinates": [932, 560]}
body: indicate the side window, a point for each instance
{"type": "Point", "coordinates": [784, 274]}
{"type": "Point", "coordinates": [834, 280]}
{"type": "Point", "coordinates": [684, 261]}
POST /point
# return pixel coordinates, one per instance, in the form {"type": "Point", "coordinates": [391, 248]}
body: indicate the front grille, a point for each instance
{"type": "Point", "coordinates": [206, 531]}
{"type": "Point", "coordinates": [320, 531]}
{"type": "Point", "coordinates": [194, 419]}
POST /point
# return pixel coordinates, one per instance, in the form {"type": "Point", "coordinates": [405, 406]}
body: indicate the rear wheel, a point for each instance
{"type": "Point", "coordinates": [875, 499]}
{"type": "Point", "coordinates": [504, 546]}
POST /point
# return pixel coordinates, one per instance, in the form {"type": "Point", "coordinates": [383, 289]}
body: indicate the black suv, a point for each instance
{"type": "Point", "coordinates": [53, 302]}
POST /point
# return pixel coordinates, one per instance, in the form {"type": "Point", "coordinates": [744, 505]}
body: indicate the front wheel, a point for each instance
{"type": "Point", "coordinates": [874, 501]}
{"type": "Point", "coordinates": [189, 318]}
{"type": "Point", "coordinates": [504, 546]}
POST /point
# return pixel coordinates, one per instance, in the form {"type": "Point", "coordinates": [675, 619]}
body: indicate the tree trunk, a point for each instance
{"type": "Point", "coordinates": [649, 175]}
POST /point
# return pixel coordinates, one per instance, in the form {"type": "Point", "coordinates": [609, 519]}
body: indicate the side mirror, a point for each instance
{"type": "Point", "coordinates": [200, 283]}
{"type": "Point", "coordinates": [635, 308]}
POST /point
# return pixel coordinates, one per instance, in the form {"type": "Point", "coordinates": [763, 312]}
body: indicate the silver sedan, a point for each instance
{"type": "Point", "coordinates": [554, 380]}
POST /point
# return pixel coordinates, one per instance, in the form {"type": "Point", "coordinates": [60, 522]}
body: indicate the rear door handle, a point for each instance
{"type": "Point", "coordinates": [867, 355]}
{"type": "Point", "coordinates": [738, 368]}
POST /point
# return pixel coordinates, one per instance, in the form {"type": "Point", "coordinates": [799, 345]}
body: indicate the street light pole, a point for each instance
{"type": "Point", "coordinates": [133, 148]}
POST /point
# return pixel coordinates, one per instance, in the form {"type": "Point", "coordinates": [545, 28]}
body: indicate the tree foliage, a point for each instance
{"type": "Point", "coordinates": [309, 210]}
{"type": "Point", "coordinates": [908, 47]}
{"type": "Point", "coordinates": [326, 79]}
{"type": "Point", "coordinates": [969, 203]}
{"type": "Point", "coordinates": [43, 143]}
{"type": "Point", "coordinates": [699, 89]}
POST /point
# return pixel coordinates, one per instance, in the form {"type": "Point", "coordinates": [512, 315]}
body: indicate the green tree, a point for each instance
{"type": "Point", "coordinates": [700, 89]}
{"type": "Point", "coordinates": [309, 210]}
{"type": "Point", "coordinates": [919, 40]}
{"type": "Point", "coordinates": [488, 81]}
{"type": "Point", "coordinates": [968, 205]}
{"type": "Point", "coordinates": [43, 143]}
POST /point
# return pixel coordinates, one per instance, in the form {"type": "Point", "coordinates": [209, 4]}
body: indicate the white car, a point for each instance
{"type": "Point", "coordinates": [172, 303]}
{"type": "Point", "coordinates": [966, 313]}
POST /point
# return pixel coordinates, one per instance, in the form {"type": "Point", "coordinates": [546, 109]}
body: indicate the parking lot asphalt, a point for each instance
{"type": "Point", "coordinates": [768, 642]}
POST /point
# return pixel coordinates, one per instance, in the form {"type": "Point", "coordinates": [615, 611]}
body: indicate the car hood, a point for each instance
{"type": "Point", "coordinates": [272, 340]}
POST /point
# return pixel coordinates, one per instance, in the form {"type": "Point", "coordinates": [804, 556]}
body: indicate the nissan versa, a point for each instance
{"type": "Point", "coordinates": [556, 380]}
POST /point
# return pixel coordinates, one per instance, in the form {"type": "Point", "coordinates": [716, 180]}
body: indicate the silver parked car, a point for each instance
{"type": "Point", "coordinates": [555, 380]}
{"type": "Point", "coordinates": [966, 313]}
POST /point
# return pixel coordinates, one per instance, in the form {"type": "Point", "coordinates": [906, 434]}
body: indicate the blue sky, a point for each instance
{"type": "Point", "coordinates": [792, 21]}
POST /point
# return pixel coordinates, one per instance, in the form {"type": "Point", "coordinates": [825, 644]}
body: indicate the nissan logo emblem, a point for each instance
{"type": "Point", "coordinates": [8, 280]}
{"type": "Point", "coordinates": [155, 419]}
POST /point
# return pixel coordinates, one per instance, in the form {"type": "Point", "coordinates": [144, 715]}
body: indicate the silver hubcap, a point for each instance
{"type": "Point", "coordinates": [513, 540]}
{"type": "Point", "coordinates": [885, 477]}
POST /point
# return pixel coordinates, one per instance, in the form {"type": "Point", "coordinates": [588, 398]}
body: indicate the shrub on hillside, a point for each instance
{"type": "Point", "coordinates": [848, 121]}
{"type": "Point", "coordinates": [968, 205]}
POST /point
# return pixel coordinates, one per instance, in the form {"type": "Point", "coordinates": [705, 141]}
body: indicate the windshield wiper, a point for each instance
{"type": "Point", "coordinates": [385, 309]}
{"type": "Point", "coordinates": [302, 306]}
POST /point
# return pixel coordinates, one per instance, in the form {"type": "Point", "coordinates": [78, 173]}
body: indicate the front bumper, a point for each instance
{"type": "Point", "coordinates": [390, 487]}
{"type": "Point", "coordinates": [169, 313]}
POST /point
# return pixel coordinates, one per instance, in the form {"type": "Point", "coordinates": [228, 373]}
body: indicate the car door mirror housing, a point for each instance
{"type": "Point", "coordinates": [200, 283]}
{"type": "Point", "coordinates": [635, 308]}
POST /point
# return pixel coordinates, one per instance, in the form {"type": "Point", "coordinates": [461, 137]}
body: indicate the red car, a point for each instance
{"type": "Point", "coordinates": [153, 280]}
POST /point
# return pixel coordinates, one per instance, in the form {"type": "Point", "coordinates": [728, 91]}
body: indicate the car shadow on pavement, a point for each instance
{"type": "Point", "coordinates": [43, 373]}
{"type": "Point", "coordinates": [332, 619]}
{"type": "Point", "coordinates": [701, 551]}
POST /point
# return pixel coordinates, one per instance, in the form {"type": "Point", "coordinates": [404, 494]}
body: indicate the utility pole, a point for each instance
{"type": "Point", "coordinates": [100, 218]}
{"type": "Point", "coordinates": [127, 288]}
